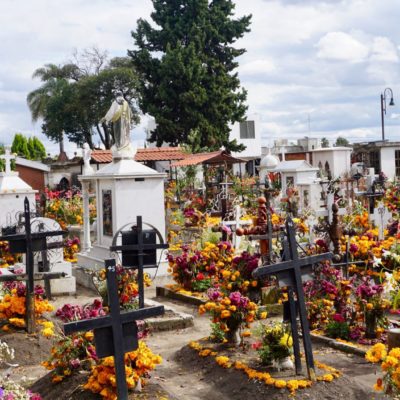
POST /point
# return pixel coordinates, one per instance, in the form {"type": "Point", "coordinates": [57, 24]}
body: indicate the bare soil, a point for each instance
{"type": "Point", "coordinates": [183, 375]}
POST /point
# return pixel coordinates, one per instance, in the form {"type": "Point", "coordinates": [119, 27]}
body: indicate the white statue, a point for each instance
{"type": "Point", "coordinates": [120, 115]}
{"type": "Point", "coordinates": [87, 155]}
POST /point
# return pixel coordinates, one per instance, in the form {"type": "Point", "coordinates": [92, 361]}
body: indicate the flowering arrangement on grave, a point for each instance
{"type": "Point", "coordinates": [71, 248]}
{"type": "Point", "coordinates": [67, 207]}
{"type": "Point", "coordinates": [71, 354]}
{"type": "Point", "coordinates": [193, 217]}
{"type": "Point", "coordinates": [245, 189]}
{"type": "Point", "coordinates": [69, 312]}
{"type": "Point", "coordinates": [390, 365]}
{"type": "Point", "coordinates": [230, 311]}
{"type": "Point", "coordinates": [392, 197]}
{"type": "Point", "coordinates": [9, 390]}
{"type": "Point", "coordinates": [276, 343]}
{"type": "Point", "coordinates": [12, 303]}
{"type": "Point", "coordinates": [138, 364]}
{"type": "Point", "coordinates": [197, 269]}
{"type": "Point", "coordinates": [128, 289]}
{"type": "Point", "coordinates": [6, 258]}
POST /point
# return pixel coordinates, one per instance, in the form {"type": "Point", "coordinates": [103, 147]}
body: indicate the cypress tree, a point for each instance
{"type": "Point", "coordinates": [187, 65]}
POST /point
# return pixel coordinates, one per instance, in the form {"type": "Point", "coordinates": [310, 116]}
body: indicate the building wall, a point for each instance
{"type": "Point", "coordinates": [339, 161]}
{"type": "Point", "coordinates": [33, 177]}
{"type": "Point", "coordinates": [388, 166]}
{"type": "Point", "coordinates": [253, 146]}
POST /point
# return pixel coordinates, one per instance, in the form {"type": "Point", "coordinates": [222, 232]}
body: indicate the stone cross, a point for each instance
{"type": "Point", "coordinates": [237, 223]}
{"type": "Point", "coordinates": [116, 333]}
{"type": "Point", "coordinates": [381, 218]}
{"type": "Point", "coordinates": [289, 273]}
{"type": "Point", "coordinates": [328, 211]}
{"type": "Point", "coordinates": [7, 157]}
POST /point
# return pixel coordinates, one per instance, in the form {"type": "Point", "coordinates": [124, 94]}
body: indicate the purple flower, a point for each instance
{"type": "Point", "coordinates": [235, 298]}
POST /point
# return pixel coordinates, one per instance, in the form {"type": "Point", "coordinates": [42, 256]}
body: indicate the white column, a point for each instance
{"type": "Point", "coordinates": [86, 245]}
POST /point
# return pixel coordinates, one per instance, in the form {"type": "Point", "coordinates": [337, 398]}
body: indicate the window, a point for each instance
{"type": "Point", "coordinates": [247, 130]}
{"type": "Point", "coordinates": [289, 181]}
{"type": "Point", "coordinates": [397, 161]}
{"type": "Point", "coordinates": [375, 161]}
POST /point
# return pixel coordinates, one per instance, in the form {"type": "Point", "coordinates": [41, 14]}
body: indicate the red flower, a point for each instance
{"type": "Point", "coordinates": [200, 276]}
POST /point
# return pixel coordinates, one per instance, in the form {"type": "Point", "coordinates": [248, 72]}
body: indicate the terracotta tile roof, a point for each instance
{"type": "Point", "coordinates": [214, 157]}
{"type": "Point", "coordinates": [150, 154]}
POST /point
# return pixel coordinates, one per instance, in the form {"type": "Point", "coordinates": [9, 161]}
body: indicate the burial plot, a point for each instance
{"type": "Point", "coordinates": [27, 243]}
{"type": "Point", "coordinates": [289, 273]}
{"type": "Point", "coordinates": [116, 333]}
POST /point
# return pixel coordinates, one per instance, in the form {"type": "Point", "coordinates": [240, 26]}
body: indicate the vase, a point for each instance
{"type": "Point", "coordinates": [371, 322]}
{"type": "Point", "coordinates": [233, 334]}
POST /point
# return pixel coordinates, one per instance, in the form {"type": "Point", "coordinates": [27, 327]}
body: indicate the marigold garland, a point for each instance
{"type": "Point", "coordinates": [292, 384]}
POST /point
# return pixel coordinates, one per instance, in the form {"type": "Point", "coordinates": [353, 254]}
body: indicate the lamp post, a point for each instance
{"type": "Point", "coordinates": [386, 92]}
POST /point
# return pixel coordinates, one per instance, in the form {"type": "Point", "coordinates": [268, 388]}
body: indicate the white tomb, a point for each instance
{"type": "Point", "coordinates": [13, 191]}
{"type": "Point", "coordinates": [124, 190]}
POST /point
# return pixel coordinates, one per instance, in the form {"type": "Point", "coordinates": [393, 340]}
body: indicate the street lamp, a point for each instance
{"type": "Point", "coordinates": [386, 92]}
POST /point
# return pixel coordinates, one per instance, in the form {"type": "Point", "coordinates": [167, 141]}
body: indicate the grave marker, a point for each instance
{"type": "Point", "coordinates": [289, 273]}
{"type": "Point", "coordinates": [116, 333]}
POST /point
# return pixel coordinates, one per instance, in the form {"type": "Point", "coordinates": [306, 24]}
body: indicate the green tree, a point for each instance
{"type": "Point", "coordinates": [20, 146]}
{"type": "Point", "coordinates": [187, 65]}
{"type": "Point", "coordinates": [36, 149]}
{"type": "Point", "coordinates": [324, 142]}
{"type": "Point", "coordinates": [75, 96]}
{"type": "Point", "coordinates": [341, 141]}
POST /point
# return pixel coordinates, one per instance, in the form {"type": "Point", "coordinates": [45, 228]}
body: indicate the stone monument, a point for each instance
{"type": "Point", "coordinates": [13, 191]}
{"type": "Point", "coordinates": [124, 190]}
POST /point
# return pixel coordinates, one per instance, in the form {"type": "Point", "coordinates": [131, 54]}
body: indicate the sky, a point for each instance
{"type": "Point", "coordinates": [312, 67]}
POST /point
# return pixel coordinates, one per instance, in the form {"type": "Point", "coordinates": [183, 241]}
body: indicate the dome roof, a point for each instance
{"type": "Point", "coordinates": [269, 161]}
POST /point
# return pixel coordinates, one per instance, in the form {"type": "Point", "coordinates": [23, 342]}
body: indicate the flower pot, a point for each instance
{"type": "Point", "coordinates": [233, 334]}
{"type": "Point", "coordinates": [371, 323]}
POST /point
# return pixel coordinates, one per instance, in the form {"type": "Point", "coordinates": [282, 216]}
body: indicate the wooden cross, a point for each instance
{"type": "Point", "coordinates": [116, 333]}
{"type": "Point", "coordinates": [139, 251]}
{"type": "Point", "coordinates": [28, 243]}
{"type": "Point", "coordinates": [262, 231]}
{"type": "Point", "coordinates": [289, 273]}
{"type": "Point", "coordinates": [7, 157]}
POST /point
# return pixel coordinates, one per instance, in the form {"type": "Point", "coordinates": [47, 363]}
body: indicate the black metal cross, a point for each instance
{"type": "Point", "coordinates": [289, 273]}
{"type": "Point", "coordinates": [115, 334]}
{"type": "Point", "coordinates": [139, 250]}
{"type": "Point", "coordinates": [28, 243]}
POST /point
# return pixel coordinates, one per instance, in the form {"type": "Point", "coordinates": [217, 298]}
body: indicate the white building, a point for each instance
{"type": "Point", "coordinates": [247, 133]}
{"type": "Point", "coordinates": [335, 161]}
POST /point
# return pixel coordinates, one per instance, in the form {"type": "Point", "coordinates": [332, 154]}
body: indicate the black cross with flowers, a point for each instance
{"type": "Point", "coordinates": [289, 273]}
{"type": "Point", "coordinates": [115, 334]}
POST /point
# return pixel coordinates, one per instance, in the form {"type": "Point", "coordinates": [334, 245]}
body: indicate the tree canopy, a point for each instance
{"type": "Point", "coordinates": [341, 141]}
{"type": "Point", "coordinates": [187, 68]}
{"type": "Point", "coordinates": [75, 96]}
{"type": "Point", "coordinates": [324, 142]}
{"type": "Point", "coordinates": [31, 149]}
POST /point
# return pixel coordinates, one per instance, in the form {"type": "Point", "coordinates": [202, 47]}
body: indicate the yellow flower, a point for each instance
{"type": "Point", "coordinates": [376, 353]}
{"type": "Point", "coordinates": [263, 315]}
{"type": "Point", "coordinates": [280, 384]}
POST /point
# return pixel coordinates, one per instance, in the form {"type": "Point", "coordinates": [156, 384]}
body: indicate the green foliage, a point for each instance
{"type": "Point", "coordinates": [201, 285]}
{"type": "Point", "coordinates": [324, 143]}
{"type": "Point", "coordinates": [276, 343]}
{"type": "Point", "coordinates": [20, 146]}
{"type": "Point", "coordinates": [217, 334]}
{"type": "Point", "coordinates": [338, 330]}
{"type": "Point", "coordinates": [187, 66]}
{"type": "Point", "coordinates": [74, 97]}
{"type": "Point", "coordinates": [341, 141]}
{"type": "Point", "coordinates": [36, 148]}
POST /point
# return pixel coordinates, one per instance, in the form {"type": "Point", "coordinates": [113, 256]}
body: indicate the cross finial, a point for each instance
{"type": "Point", "coordinates": [8, 156]}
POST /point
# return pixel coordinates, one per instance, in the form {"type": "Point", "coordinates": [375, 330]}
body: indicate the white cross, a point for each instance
{"type": "Point", "coordinates": [236, 223]}
{"type": "Point", "coordinates": [8, 156]}
{"type": "Point", "coordinates": [328, 211]}
{"type": "Point", "coordinates": [381, 218]}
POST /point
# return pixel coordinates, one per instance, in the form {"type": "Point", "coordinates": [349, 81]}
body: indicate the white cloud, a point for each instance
{"type": "Point", "coordinates": [341, 46]}
{"type": "Point", "coordinates": [384, 50]}
{"type": "Point", "coordinates": [257, 67]}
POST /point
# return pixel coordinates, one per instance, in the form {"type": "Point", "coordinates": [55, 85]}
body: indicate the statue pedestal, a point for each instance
{"type": "Point", "coordinates": [124, 190]}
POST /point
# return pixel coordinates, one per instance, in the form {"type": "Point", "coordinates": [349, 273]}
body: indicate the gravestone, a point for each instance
{"type": "Point", "coordinates": [13, 191]}
{"type": "Point", "coordinates": [116, 333]}
{"type": "Point", "coordinates": [289, 273]}
{"type": "Point", "coordinates": [381, 218]}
